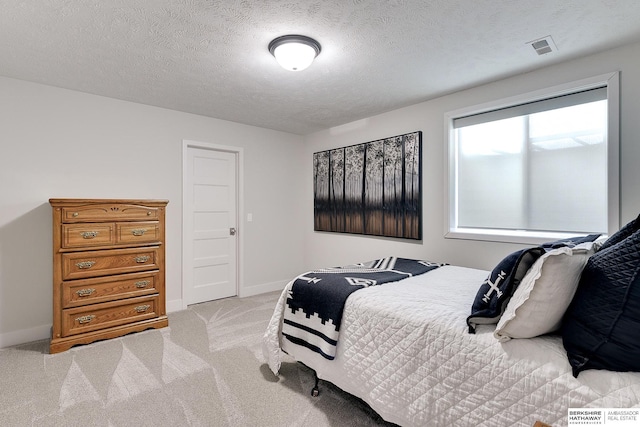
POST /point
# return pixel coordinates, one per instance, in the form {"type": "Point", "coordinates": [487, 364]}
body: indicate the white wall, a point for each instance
{"type": "Point", "coordinates": [328, 249]}
{"type": "Point", "coordinates": [61, 143]}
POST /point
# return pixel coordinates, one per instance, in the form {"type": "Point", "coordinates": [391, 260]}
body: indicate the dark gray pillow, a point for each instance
{"type": "Point", "coordinates": [601, 328]}
{"type": "Point", "coordinates": [622, 234]}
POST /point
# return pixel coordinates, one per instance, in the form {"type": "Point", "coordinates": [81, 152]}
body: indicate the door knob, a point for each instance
{"type": "Point", "coordinates": [232, 231]}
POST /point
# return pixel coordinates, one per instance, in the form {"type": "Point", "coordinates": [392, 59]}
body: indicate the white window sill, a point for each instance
{"type": "Point", "coordinates": [508, 236]}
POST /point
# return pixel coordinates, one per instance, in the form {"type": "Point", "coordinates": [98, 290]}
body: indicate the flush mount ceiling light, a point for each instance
{"type": "Point", "coordinates": [294, 52]}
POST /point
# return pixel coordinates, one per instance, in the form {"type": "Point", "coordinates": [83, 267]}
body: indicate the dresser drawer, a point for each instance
{"type": "Point", "coordinates": [137, 232]}
{"type": "Point", "coordinates": [109, 212]}
{"type": "Point", "coordinates": [80, 265]}
{"type": "Point", "coordinates": [87, 235]}
{"type": "Point", "coordinates": [99, 316]}
{"type": "Point", "coordinates": [91, 291]}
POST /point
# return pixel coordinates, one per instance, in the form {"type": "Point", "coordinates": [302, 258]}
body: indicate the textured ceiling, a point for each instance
{"type": "Point", "coordinates": [210, 57]}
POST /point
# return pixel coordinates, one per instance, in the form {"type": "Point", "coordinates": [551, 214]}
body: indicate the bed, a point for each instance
{"type": "Point", "coordinates": [406, 350]}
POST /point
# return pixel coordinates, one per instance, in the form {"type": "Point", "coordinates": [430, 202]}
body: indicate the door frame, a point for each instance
{"type": "Point", "coordinates": [239, 156]}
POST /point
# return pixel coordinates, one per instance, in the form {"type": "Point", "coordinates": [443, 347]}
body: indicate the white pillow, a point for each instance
{"type": "Point", "coordinates": [544, 294]}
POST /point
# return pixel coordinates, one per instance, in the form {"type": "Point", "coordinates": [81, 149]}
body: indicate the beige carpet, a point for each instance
{"type": "Point", "coordinates": [205, 369]}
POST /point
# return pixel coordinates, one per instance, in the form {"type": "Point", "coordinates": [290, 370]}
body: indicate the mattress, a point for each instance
{"type": "Point", "coordinates": [405, 349]}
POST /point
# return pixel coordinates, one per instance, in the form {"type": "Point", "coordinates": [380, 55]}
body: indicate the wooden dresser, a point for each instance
{"type": "Point", "coordinates": [108, 269]}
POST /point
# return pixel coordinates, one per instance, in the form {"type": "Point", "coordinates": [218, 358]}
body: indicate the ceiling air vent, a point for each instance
{"type": "Point", "coordinates": [544, 45]}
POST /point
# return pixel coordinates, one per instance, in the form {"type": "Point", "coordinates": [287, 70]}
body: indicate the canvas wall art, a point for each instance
{"type": "Point", "coordinates": [374, 188]}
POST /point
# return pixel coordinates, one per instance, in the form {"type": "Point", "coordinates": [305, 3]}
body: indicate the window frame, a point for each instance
{"type": "Point", "coordinates": [612, 83]}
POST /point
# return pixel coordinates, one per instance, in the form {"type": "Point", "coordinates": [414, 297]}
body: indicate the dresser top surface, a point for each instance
{"type": "Point", "coordinates": [76, 202]}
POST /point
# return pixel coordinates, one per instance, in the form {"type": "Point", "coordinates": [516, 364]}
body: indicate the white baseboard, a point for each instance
{"type": "Point", "coordinates": [176, 304]}
{"type": "Point", "coordinates": [22, 336]}
{"type": "Point", "coordinates": [43, 332]}
{"type": "Point", "coordinates": [249, 291]}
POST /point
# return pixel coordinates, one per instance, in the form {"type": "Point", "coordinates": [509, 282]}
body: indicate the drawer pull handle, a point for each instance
{"type": "Point", "coordinates": [138, 231]}
{"type": "Point", "coordinates": [85, 319]}
{"type": "Point", "coordinates": [83, 265]}
{"type": "Point", "coordinates": [142, 283]}
{"type": "Point", "coordinates": [89, 234]}
{"type": "Point", "coordinates": [142, 308]}
{"type": "Point", "coordinates": [75, 214]}
{"type": "Point", "coordinates": [142, 259]}
{"type": "Point", "coordinates": [85, 292]}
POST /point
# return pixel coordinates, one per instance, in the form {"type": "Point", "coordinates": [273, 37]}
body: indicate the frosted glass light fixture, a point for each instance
{"type": "Point", "coordinates": [294, 52]}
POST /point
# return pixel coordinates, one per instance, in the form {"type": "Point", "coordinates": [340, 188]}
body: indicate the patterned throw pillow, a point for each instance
{"type": "Point", "coordinates": [495, 292]}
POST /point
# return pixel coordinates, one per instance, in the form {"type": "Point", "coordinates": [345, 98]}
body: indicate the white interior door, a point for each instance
{"type": "Point", "coordinates": [210, 216]}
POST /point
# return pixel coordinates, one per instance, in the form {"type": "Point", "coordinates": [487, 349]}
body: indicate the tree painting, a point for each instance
{"type": "Point", "coordinates": [372, 188]}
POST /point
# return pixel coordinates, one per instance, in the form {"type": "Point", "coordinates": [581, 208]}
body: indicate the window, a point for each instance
{"type": "Point", "coordinates": [536, 167]}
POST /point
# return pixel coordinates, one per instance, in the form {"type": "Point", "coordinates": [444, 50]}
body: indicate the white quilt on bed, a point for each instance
{"type": "Point", "coordinates": [405, 350]}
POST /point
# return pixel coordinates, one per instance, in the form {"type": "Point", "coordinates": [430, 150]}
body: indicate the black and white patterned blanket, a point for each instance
{"type": "Point", "coordinates": [316, 299]}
